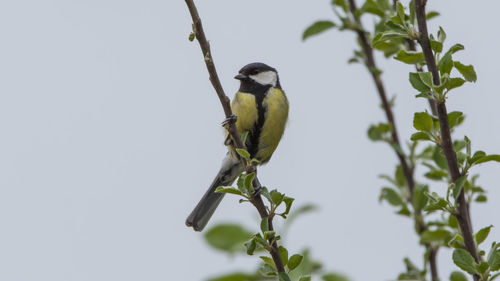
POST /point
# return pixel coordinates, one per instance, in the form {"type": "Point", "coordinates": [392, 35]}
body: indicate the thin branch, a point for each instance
{"type": "Point", "coordinates": [233, 132]}
{"type": "Point", "coordinates": [372, 67]}
{"type": "Point", "coordinates": [407, 170]}
{"type": "Point", "coordinates": [462, 215]}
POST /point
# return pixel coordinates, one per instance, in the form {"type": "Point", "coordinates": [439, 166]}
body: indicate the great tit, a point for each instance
{"type": "Point", "coordinates": [261, 109]}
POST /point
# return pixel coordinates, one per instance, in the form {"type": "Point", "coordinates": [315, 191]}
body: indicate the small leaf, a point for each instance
{"type": "Point", "coordinates": [420, 136]}
{"type": "Point", "coordinates": [294, 261]}
{"type": "Point", "coordinates": [410, 57]}
{"type": "Point", "coordinates": [317, 28]}
{"type": "Point", "coordinates": [482, 234]}
{"type": "Point", "coordinates": [283, 276]}
{"type": "Point", "coordinates": [288, 203]}
{"type": "Point", "coordinates": [464, 260]}
{"type": "Point", "coordinates": [459, 184]}
{"type": "Point", "coordinates": [243, 153]}
{"type": "Point", "coordinates": [277, 197]}
{"type": "Point", "coordinates": [227, 237]}
{"type": "Point", "coordinates": [417, 84]}
{"type": "Point", "coordinates": [457, 276]}
{"type": "Point", "coordinates": [494, 260]}
{"type": "Point", "coordinates": [426, 78]}
{"type": "Point", "coordinates": [419, 198]}
{"type": "Point", "coordinates": [222, 189]}
{"type": "Point", "coordinates": [455, 48]}
{"type": "Point", "coordinates": [283, 254]}
{"type": "Point", "coordinates": [435, 236]}
{"type": "Point", "coordinates": [305, 278]}
{"type": "Point", "coordinates": [264, 224]}
{"type": "Point", "coordinates": [455, 118]}
{"type": "Point", "coordinates": [445, 64]}
{"type": "Point", "coordinates": [334, 277]}
{"type": "Point", "coordinates": [391, 196]}
{"type": "Point", "coordinates": [250, 245]}
{"type": "Point", "coordinates": [453, 83]}
{"type": "Point", "coordinates": [492, 157]}
{"type": "Point", "coordinates": [467, 71]}
{"type": "Point", "coordinates": [422, 121]}
{"type": "Point", "coordinates": [267, 260]}
{"type": "Point", "coordinates": [431, 15]}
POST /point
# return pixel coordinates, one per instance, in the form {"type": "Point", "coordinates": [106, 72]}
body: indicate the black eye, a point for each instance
{"type": "Point", "coordinates": [254, 72]}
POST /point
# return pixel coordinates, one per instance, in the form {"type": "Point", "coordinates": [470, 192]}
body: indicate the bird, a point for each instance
{"type": "Point", "coordinates": [261, 109]}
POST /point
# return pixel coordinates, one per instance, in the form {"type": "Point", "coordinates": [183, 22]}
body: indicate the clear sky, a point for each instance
{"type": "Point", "coordinates": [110, 133]}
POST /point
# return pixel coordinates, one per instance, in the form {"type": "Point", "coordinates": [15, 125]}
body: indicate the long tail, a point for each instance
{"type": "Point", "coordinates": [199, 217]}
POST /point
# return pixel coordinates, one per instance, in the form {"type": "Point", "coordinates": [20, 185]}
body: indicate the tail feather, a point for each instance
{"type": "Point", "coordinates": [199, 217]}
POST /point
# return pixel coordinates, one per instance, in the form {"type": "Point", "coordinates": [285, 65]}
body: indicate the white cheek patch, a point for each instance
{"type": "Point", "coordinates": [266, 78]}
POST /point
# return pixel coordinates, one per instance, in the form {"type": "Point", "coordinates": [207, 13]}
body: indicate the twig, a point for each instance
{"type": "Point", "coordinates": [372, 67]}
{"type": "Point", "coordinates": [462, 215]}
{"type": "Point", "coordinates": [233, 132]}
{"type": "Point", "coordinates": [407, 170]}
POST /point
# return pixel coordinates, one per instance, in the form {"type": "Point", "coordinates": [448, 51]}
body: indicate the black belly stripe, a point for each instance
{"type": "Point", "coordinates": [259, 92]}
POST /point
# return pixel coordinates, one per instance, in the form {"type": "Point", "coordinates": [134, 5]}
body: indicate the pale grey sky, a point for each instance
{"type": "Point", "coordinates": [111, 133]}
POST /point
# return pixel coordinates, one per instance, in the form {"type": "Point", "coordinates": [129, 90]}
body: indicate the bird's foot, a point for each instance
{"type": "Point", "coordinates": [228, 121]}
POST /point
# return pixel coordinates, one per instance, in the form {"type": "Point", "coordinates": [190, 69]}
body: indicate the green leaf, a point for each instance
{"type": "Point", "coordinates": [249, 182]}
{"type": "Point", "coordinates": [294, 261]}
{"type": "Point", "coordinates": [288, 203]}
{"type": "Point", "coordinates": [481, 198]}
{"type": "Point", "coordinates": [482, 234]}
{"type": "Point", "coordinates": [467, 71]}
{"type": "Point", "coordinates": [222, 189]}
{"type": "Point", "coordinates": [436, 46]}
{"type": "Point", "coordinates": [492, 157]}
{"type": "Point", "coordinates": [227, 237]}
{"type": "Point", "coordinates": [457, 276]}
{"type": "Point", "coordinates": [494, 260]}
{"type": "Point", "coordinates": [441, 35]}
{"type": "Point", "coordinates": [283, 276]}
{"type": "Point", "coordinates": [422, 121]}
{"type": "Point", "coordinates": [264, 224]}
{"type": "Point", "coordinates": [305, 278]}
{"type": "Point", "coordinates": [439, 235]}
{"type": "Point", "coordinates": [371, 7]}
{"type": "Point", "coordinates": [401, 11]}
{"type": "Point", "coordinates": [386, 35]}
{"type": "Point", "coordinates": [455, 118]}
{"type": "Point", "coordinates": [459, 184]}
{"type": "Point", "coordinates": [420, 136]}
{"type": "Point", "coordinates": [277, 197]}
{"type": "Point", "coordinates": [342, 4]}
{"type": "Point", "coordinates": [283, 254]}
{"type": "Point", "coordinates": [483, 266]}
{"type": "Point", "coordinates": [243, 153]}
{"type": "Point", "coordinates": [419, 198]}
{"type": "Point", "coordinates": [455, 48]}
{"type": "Point", "coordinates": [431, 15]}
{"type": "Point", "coordinates": [410, 57]}
{"type": "Point", "coordinates": [453, 83]}
{"type": "Point", "coordinates": [268, 270]}
{"type": "Point", "coordinates": [237, 276]}
{"type": "Point", "coordinates": [267, 260]}
{"type": "Point", "coordinates": [436, 175]}
{"type": "Point", "coordinates": [391, 196]}
{"type": "Point", "coordinates": [317, 28]}
{"type": "Point", "coordinates": [417, 84]}
{"type": "Point", "coordinates": [379, 131]}
{"type": "Point", "coordinates": [334, 277]}
{"type": "Point", "coordinates": [441, 204]}
{"type": "Point", "coordinates": [464, 260]}
{"type": "Point", "coordinates": [426, 78]}
{"type": "Point", "coordinates": [250, 245]}
{"type": "Point", "coordinates": [445, 64]}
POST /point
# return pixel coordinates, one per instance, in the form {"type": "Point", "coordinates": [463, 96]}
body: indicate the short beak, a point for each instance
{"type": "Point", "coordinates": [240, 77]}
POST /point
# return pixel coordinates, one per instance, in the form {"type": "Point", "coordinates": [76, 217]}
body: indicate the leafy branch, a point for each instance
{"type": "Point", "coordinates": [255, 197]}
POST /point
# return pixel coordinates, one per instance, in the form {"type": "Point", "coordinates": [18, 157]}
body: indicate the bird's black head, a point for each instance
{"type": "Point", "coordinates": [258, 74]}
